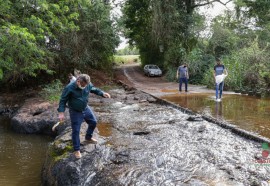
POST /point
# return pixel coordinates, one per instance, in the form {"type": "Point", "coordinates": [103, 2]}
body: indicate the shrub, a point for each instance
{"type": "Point", "coordinates": [52, 92]}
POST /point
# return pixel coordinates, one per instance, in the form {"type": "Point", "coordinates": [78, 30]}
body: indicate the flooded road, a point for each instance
{"type": "Point", "coordinates": [21, 156]}
{"type": "Point", "coordinates": [247, 112]}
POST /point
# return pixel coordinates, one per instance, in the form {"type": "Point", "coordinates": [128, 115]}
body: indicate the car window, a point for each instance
{"type": "Point", "coordinates": [153, 67]}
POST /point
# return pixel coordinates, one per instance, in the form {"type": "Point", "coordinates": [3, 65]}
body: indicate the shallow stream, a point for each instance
{"type": "Point", "coordinates": [248, 112]}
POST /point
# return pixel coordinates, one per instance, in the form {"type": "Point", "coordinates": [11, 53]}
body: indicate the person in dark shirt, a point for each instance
{"type": "Point", "coordinates": [219, 69]}
{"type": "Point", "coordinates": [76, 94]}
{"type": "Point", "coordinates": [182, 74]}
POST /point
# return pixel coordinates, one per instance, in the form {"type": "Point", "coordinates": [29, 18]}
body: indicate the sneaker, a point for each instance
{"type": "Point", "coordinates": [92, 140]}
{"type": "Point", "coordinates": [77, 154]}
{"type": "Point", "coordinates": [218, 100]}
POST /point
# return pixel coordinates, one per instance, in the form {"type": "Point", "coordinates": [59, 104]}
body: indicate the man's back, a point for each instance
{"type": "Point", "coordinates": [182, 71]}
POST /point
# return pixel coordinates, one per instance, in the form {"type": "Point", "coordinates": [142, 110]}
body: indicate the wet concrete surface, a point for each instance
{"type": "Point", "coordinates": [142, 143]}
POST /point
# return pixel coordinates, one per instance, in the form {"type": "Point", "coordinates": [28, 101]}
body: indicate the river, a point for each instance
{"type": "Point", "coordinates": [21, 156]}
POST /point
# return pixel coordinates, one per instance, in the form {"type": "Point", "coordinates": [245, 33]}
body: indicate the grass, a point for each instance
{"type": "Point", "coordinates": [58, 154]}
{"type": "Point", "coordinates": [109, 87]}
{"type": "Point", "coordinates": [125, 59]}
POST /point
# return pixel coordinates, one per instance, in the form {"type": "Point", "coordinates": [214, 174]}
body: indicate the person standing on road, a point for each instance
{"type": "Point", "coordinates": [219, 73]}
{"type": "Point", "coordinates": [76, 94]}
{"type": "Point", "coordinates": [182, 74]}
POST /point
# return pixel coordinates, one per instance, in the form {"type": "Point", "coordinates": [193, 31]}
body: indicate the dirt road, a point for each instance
{"type": "Point", "coordinates": [132, 74]}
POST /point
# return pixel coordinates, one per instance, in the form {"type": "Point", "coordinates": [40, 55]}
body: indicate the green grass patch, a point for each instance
{"type": "Point", "coordinates": [109, 87]}
{"type": "Point", "coordinates": [58, 154]}
{"type": "Point", "coordinates": [125, 59]}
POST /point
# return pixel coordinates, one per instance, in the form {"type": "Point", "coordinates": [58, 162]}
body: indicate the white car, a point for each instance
{"type": "Point", "coordinates": [152, 70]}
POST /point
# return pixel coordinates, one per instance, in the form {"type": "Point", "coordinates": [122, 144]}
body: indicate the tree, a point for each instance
{"type": "Point", "coordinates": [44, 36]}
{"type": "Point", "coordinates": [163, 31]}
{"type": "Point", "coordinates": [24, 27]}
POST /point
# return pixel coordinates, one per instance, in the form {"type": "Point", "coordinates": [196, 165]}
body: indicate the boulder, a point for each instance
{"type": "Point", "coordinates": [36, 116]}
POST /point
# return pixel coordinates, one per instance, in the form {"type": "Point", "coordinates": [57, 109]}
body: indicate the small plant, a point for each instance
{"type": "Point", "coordinates": [52, 92]}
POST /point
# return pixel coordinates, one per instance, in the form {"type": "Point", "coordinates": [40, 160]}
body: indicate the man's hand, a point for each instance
{"type": "Point", "coordinates": [106, 95]}
{"type": "Point", "coordinates": [61, 116]}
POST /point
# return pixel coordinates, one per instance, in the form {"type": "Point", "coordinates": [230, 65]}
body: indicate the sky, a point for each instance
{"type": "Point", "coordinates": [216, 9]}
{"type": "Point", "coordinates": [211, 12]}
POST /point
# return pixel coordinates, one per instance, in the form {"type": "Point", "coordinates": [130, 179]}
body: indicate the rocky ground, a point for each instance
{"type": "Point", "coordinates": [147, 143]}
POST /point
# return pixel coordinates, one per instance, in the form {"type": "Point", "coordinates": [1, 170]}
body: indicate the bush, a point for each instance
{"type": "Point", "coordinates": [52, 92]}
{"type": "Point", "coordinates": [171, 74]}
{"type": "Point", "coordinates": [126, 59]}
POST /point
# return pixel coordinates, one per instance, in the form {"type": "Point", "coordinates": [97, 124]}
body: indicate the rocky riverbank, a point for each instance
{"type": "Point", "coordinates": [142, 142]}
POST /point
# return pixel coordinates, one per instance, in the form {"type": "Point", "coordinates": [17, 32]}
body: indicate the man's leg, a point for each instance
{"type": "Point", "coordinates": [186, 84]}
{"type": "Point", "coordinates": [91, 120]}
{"type": "Point", "coordinates": [217, 87]}
{"type": "Point", "coordinates": [180, 84]}
{"type": "Point", "coordinates": [76, 121]}
{"type": "Point", "coordinates": [221, 85]}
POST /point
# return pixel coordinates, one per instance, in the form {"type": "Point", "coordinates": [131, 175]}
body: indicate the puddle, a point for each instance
{"type": "Point", "coordinates": [104, 129]}
{"type": "Point", "coordinates": [247, 112]}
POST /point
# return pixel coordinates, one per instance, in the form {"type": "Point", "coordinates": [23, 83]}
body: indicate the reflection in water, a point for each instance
{"type": "Point", "coordinates": [21, 156]}
{"type": "Point", "coordinates": [247, 112]}
{"type": "Point", "coordinates": [218, 110]}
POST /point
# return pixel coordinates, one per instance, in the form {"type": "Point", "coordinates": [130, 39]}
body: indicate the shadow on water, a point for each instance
{"type": "Point", "coordinates": [21, 156]}
{"type": "Point", "coordinates": [247, 112]}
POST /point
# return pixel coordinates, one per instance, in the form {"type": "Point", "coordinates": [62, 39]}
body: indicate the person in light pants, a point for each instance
{"type": "Point", "coordinates": [220, 72]}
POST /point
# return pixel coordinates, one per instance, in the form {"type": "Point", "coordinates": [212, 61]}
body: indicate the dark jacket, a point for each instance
{"type": "Point", "coordinates": [76, 98]}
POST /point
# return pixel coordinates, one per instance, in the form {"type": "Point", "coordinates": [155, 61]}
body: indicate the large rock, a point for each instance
{"type": "Point", "coordinates": [36, 116]}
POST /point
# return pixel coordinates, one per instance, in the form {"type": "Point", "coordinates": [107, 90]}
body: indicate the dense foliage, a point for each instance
{"type": "Point", "coordinates": [128, 51]}
{"type": "Point", "coordinates": [168, 33]}
{"type": "Point", "coordinates": [39, 37]}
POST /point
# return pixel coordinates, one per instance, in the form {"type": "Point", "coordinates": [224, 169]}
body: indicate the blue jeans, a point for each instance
{"type": "Point", "coordinates": [76, 122]}
{"type": "Point", "coordinates": [183, 80]}
{"type": "Point", "coordinates": [219, 87]}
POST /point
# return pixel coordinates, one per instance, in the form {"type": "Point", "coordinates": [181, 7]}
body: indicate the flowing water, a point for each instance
{"type": "Point", "coordinates": [247, 112]}
{"type": "Point", "coordinates": [21, 156]}
{"type": "Point", "coordinates": [153, 144]}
